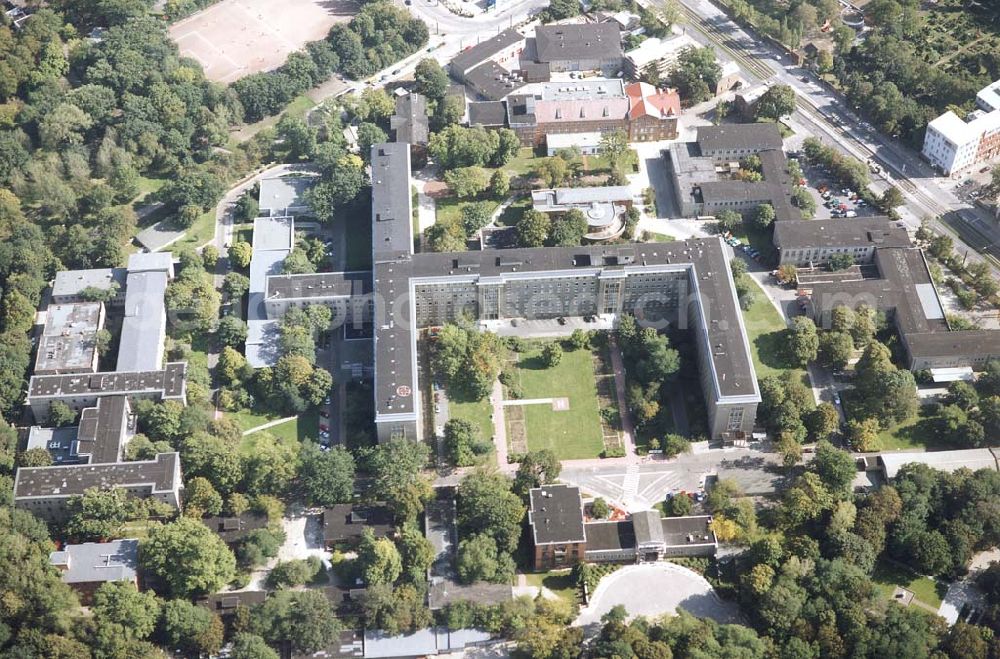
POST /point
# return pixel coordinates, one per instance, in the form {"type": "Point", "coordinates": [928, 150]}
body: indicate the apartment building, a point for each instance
{"type": "Point", "coordinates": [954, 145]}
{"type": "Point", "coordinates": [580, 47]}
{"type": "Point", "coordinates": [68, 343]}
{"type": "Point", "coordinates": [813, 242]}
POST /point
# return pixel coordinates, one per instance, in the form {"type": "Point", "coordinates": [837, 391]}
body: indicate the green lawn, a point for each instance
{"type": "Point", "coordinates": [915, 433]}
{"type": "Point", "coordinates": [513, 213]}
{"type": "Point", "coordinates": [306, 425]}
{"type": "Point", "coordinates": [449, 209]}
{"type": "Point", "coordinates": [521, 164]}
{"type": "Point", "coordinates": [887, 576]}
{"type": "Point", "coordinates": [571, 434]}
{"type": "Point", "coordinates": [477, 412]}
{"type": "Point", "coordinates": [560, 582]}
{"type": "Point", "coordinates": [766, 331]}
{"type": "Point", "coordinates": [659, 238]}
{"type": "Point", "coordinates": [202, 231]}
{"type": "Point", "coordinates": [297, 108]}
{"type": "Point", "coordinates": [148, 186]}
{"type": "Point", "coordinates": [243, 233]}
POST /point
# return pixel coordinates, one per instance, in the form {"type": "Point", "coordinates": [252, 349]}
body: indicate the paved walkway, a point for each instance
{"type": "Point", "coordinates": [269, 424]}
{"type": "Point", "coordinates": [500, 428]}
{"type": "Point", "coordinates": [628, 430]}
{"type": "Point", "coordinates": [558, 404]}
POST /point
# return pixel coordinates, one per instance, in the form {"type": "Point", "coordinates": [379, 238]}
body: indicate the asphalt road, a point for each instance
{"type": "Point", "coordinates": [827, 115]}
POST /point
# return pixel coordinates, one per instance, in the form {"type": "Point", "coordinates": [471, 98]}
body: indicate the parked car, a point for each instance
{"type": "Point", "coordinates": [850, 214]}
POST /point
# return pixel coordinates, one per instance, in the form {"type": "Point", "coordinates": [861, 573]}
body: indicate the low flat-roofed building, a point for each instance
{"type": "Point", "coordinates": [45, 491]}
{"type": "Point", "coordinates": [59, 442]}
{"type": "Point", "coordinates": [588, 143]}
{"type": "Point", "coordinates": [421, 643]}
{"type": "Point", "coordinates": [144, 327]}
{"type": "Point", "coordinates": [973, 458]}
{"type": "Point", "coordinates": [663, 54]}
{"type": "Point", "coordinates": [733, 141]}
{"type": "Point", "coordinates": [69, 285]}
{"type": "Point", "coordinates": [580, 47]}
{"type": "Point", "coordinates": [69, 338]}
{"type": "Point", "coordinates": [234, 528]}
{"type": "Point", "coordinates": [285, 195]}
{"type": "Point", "coordinates": [347, 294]}
{"type": "Point", "coordinates": [488, 114]}
{"type": "Point", "coordinates": [805, 242]}
{"type": "Point", "coordinates": [88, 566]}
{"type": "Point", "coordinates": [603, 207]}
{"type": "Point", "coordinates": [79, 391]}
{"type": "Point", "coordinates": [555, 515]}
{"type": "Point", "coordinates": [226, 604]}
{"type": "Point", "coordinates": [273, 240]}
{"type": "Point", "coordinates": [345, 522]}
{"type": "Point", "coordinates": [647, 537]}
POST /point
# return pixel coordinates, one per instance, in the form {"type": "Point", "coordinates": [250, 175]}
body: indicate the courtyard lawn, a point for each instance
{"type": "Point", "coordinates": [521, 164]}
{"type": "Point", "coordinates": [766, 332]}
{"type": "Point", "coordinates": [560, 582]}
{"type": "Point", "coordinates": [476, 412]}
{"type": "Point", "coordinates": [513, 213]}
{"type": "Point", "coordinates": [199, 233]}
{"type": "Point", "coordinates": [887, 576]}
{"type": "Point", "coordinates": [306, 425]}
{"type": "Point", "coordinates": [243, 232]}
{"type": "Point", "coordinates": [571, 434]}
{"type": "Point", "coordinates": [916, 433]}
{"type": "Point", "coordinates": [659, 237]}
{"type": "Point", "coordinates": [449, 209]}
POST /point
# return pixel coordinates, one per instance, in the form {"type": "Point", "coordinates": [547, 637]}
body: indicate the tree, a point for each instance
{"type": "Point", "coordinates": [190, 629]}
{"type": "Point", "coordinates": [487, 505]}
{"type": "Point", "coordinates": [891, 198]}
{"type": "Point", "coordinates": [508, 144]}
{"type": "Point", "coordinates": [599, 508]}
{"type": "Point", "coordinates": [536, 468]}
{"type": "Point", "coordinates": [479, 560]}
{"type": "Point", "coordinates": [678, 505]}
{"type": "Point", "coordinates": [294, 573]}
{"type": "Point", "coordinates": [728, 220]}
{"type": "Point", "coordinates": [395, 611]}
{"type": "Point", "coordinates": [251, 646]}
{"type": "Point", "coordinates": [60, 414]}
{"type": "Point", "coordinates": [475, 216]}
{"type": "Point", "coordinates": [835, 467]}
{"type": "Point", "coordinates": [777, 102]}
{"type": "Point", "coordinates": [200, 498]}
{"type": "Point", "coordinates": [840, 262]}
{"type": "Point", "coordinates": [368, 135]}
{"type": "Point", "coordinates": [803, 341]}
{"type": "Point", "coordinates": [270, 468]}
{"type": "Point", "coordinates": [302, 619]}
{"type": "Point", "coordinates": [462, 442]}
{"type": "Point", "coordinates": [399, 480]}
{"type": "Point", "coordinates": [552, 355]}
{"type": "Point", "coordinates": [120, 609]}
{"type": "Point", "coordinates": [326, 476]}
{"type": "Point", "coordinates": [98, 514]}
{"type": "Point", "coordinates": [445, 237]}
{"type": "Point", "coordinates": [568, 230]}
{"type": "Point", "coordinates": [431, 79]}
{"type": "Point", "coordinates": [822, 421]}
{"type": "Point", "coordinates": [764, 216]}
{"type": "Point", "coordinates": [232, 331]}
{"type": "Point", "coordinates": [257, 547]}
{"type": "Point", "coordinates": [466, 182]}
{"type": "Point", "coordinates": [499, 184]}
{"type": "Point", "coordinates": [804, 200]}
{"type": "Point", "coordinates": [553, 171]}
{"type": "Point", "coordinates": [789, 448]}
{"type": "Point", "coordinates": [235, 285]}
{"type": "Point", "coordinates": [188, 558]}
{"type": "Point", "coordinates": [963, 394]}
{"type": "Point", "coordinates": [239, 254]}
{"type": "Point", "coordinates": [863, 435]}
{"type": "Point", "coordinates": [456, 146]}
{"type": "Point", "coordinates": [614, 147]}
{"type": "Point", "coordinates": [697, 74]}
{"type": "Point", "coordinates": [533, 229]}
{"type": "Point", "coordinates": [417, 553]}
{"type": "Point", "coordinates": [835, 349]}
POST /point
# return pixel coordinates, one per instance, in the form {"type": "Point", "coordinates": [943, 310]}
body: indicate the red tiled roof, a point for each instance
{"type": "Point", "coordinates": [646, 100]}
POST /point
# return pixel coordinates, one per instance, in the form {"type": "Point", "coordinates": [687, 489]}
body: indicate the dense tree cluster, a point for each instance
{"type": "Point", "coordinates": [377, 36]}
{"type": "Point", "coordinates": [468, 360]}
{"type": "Point", "coordinates": [489, 520]}
{"type": "Point", "coordinates": [456, 146]}
{"type": "Point", "coordinates": [697, 74]}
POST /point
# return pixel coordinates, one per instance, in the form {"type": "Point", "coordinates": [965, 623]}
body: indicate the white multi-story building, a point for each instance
{"type": "Point", "coordinates": [953, 145]}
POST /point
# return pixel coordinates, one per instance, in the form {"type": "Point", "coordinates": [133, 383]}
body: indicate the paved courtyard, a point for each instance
{"type": "Point", "coordinates": [653, 590]}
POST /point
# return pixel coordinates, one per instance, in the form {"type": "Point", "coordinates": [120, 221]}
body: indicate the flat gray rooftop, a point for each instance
{"type": "Point", "coordinates": [859, 232]}
{"type": "Point", "coordinates": [582, 90]}
{"type": "Point", "coordinates": [323, 284]}
{"type": "Point", "coordinates": [587, 41]}
{"type": "Point", "coordinates": [281, 193]}
{"type": "Point", "coordinates": [726, 137]}
{"type": "Point", "coordinates": [69, 338]}
{"type": "Point", "coordinates": [72, 282]}
{"type": "Point", "coordinates": [93, 562]}
{"type": "Point", "coordinates": [484, 50]}
{"type": "Point", "coordinates": [73, 480]}
{"type": "Point", "coordinates": [169, 381]}
{"type": "Point", "coordinates": [144, 325]}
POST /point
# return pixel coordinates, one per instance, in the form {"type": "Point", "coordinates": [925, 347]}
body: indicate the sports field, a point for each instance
{"type": "Point", "coordinates": [234, 38]}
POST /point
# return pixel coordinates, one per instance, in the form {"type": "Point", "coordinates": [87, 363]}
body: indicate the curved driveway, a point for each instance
{"type": "Point", "coordinates": [655, 589]}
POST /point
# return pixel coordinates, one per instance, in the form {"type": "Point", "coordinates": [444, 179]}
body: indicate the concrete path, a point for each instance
{"type": "Point", "coordinates": [269, 424]}
{"type": "Point", "coordinates": [558, 404]}
{"type": "Point", "coordinates": [628, 430]}
{"type": "Point", "coordinates": [500, 428]}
